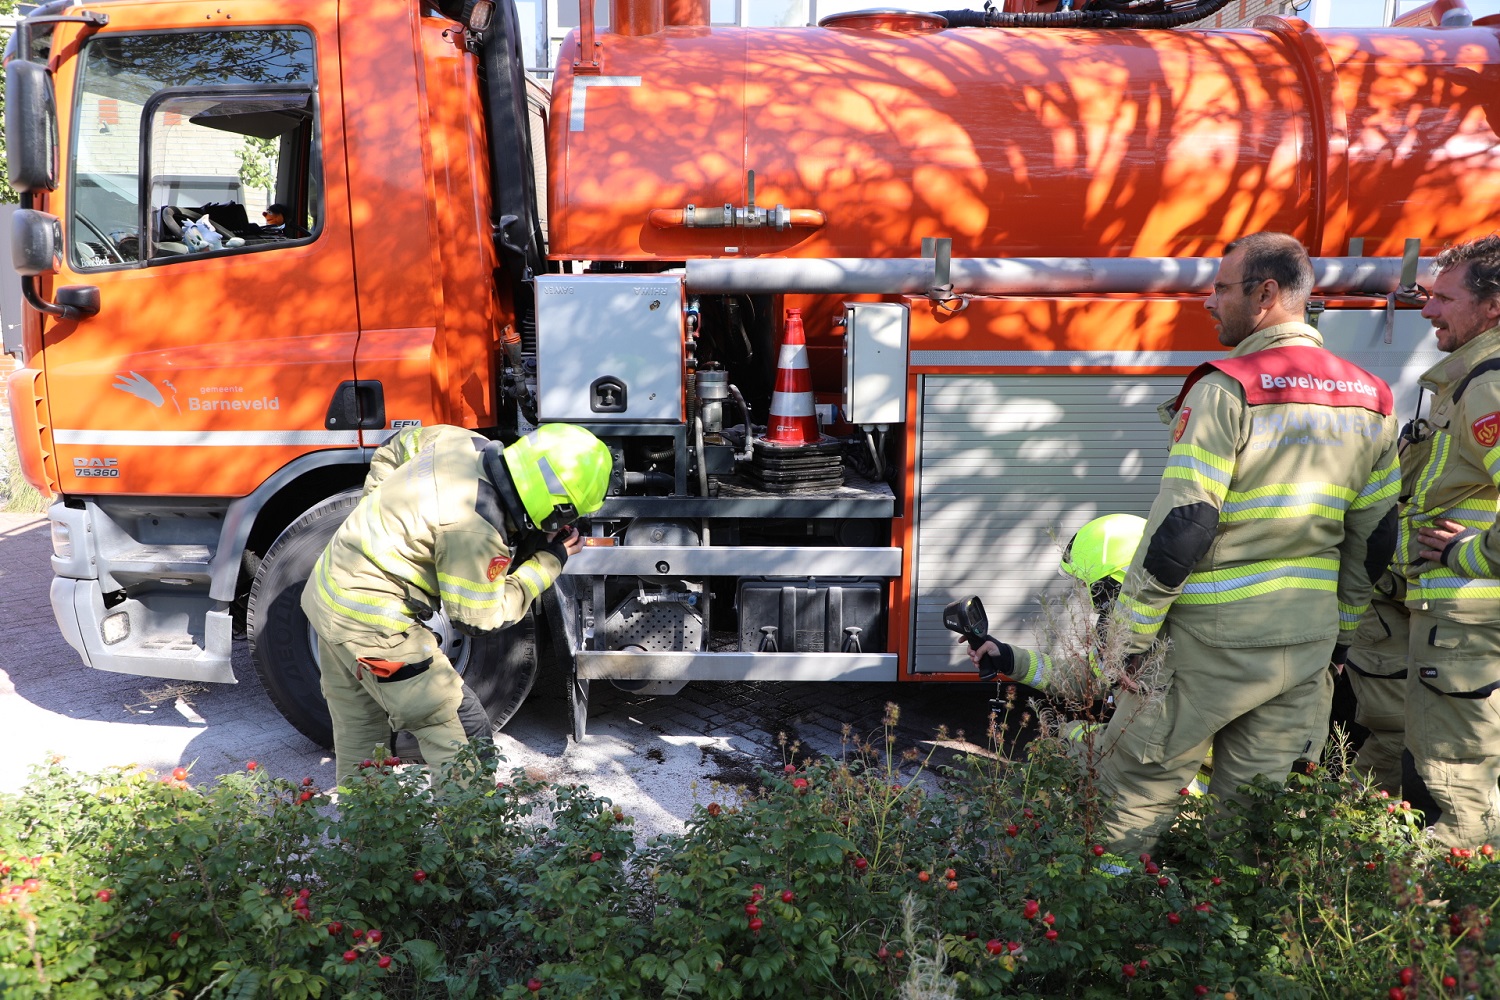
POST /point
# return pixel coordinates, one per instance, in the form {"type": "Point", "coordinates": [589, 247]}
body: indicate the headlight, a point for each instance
{"type": "Point", "coordinates": [115, 628]}
{"type": "Point", "coordinates": [62, 540]}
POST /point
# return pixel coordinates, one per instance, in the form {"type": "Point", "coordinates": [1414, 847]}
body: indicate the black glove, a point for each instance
{"type": "Point", "coordinates": [1340, 654]}
{"type": "Point", "coordinates": [1001, 664]}
{"type": "Point", "coordinates": [556, 548]}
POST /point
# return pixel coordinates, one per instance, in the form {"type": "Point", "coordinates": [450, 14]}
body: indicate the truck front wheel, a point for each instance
{"type": "Point", "coordinates": [499, 667]}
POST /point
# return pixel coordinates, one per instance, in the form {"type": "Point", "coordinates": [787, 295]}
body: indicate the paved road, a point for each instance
{"type": "Point", "coordinates": [653, 756]}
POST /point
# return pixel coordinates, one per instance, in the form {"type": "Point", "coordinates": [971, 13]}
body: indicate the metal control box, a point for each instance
{"type": "Point", "coordinates": [875, 363]}
{"type": "Point", "coordinates": [609, 348]}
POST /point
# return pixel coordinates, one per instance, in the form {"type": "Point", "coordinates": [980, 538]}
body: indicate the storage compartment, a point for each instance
{"type": "Point", "coordinates": [812, 616]}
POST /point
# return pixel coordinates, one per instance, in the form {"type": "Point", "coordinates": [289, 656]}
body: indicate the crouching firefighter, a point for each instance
{"type": "Point", "coordinates": [1097, 556]}
{"type": "Point", "coordinates": [443, 517]}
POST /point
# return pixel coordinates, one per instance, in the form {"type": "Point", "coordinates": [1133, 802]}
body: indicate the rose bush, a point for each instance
{"type": "Point", "coordinates": [871, 876]}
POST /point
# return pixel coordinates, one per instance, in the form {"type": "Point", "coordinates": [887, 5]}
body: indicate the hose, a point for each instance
{"type": "Point", "coordinates": [702, 460]}
{"type": "Point", "coordinates": [1080, 18]}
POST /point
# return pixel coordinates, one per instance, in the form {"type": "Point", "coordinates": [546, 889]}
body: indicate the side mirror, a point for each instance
{"type": "Point", "coordinates": [967, 618]}
{"type": "Point", "coordinates": [30, 127]}
{"type": "Point", "coordinates": [35, 241]}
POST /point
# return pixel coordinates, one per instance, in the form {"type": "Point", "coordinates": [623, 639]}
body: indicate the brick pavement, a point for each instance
{"type": "Point", "coordinates": [654, 756]}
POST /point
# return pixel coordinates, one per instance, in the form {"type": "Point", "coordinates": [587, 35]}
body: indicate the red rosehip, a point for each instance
{"type": "Point", "coordinates": [533, 985]}
{"type": "Point", "coordinates": [1203, 907]}
{"type": "Point", "coordinates": [882, 953]}
{"type": "Point", "coordinates": [304, 893]}
{"type": "Point", "coordinates": [1163, 881]}
{"type": "Point", "coordinates": [1031, 909]}
{"type": "Point", "coordinates": [1128, 971]}
{"type": "Point", "coordinates": [351, 955]}
{"type": "Point", "coordinates": [861, 864]}
{"type": "Point", "coordinates": [335, 927]}
{"type": "Point", "coordinates": [1098, 850]}
{"type": "Point", "coordinates": [1028, 813]}
{"type": "Point", "coordinates": [384, 961]}
{"type": "Point", "coordinates": [995, 946]}
{"type": "Point", "coordinates": [1216, 881]}
{"type": "Point", "coordinates": [1200, 990]}
{"type": "Point", "coordinates": [756, 924]}
{"type": "Point", "coordinates": [1143, 965]}
{"type": "Point", "coordinates": [788, 895]}
{"type": "Point", "coordinates": [305, 797]}
{"type": "Point", "coordinates": [1183, 791]}
{"type": "Point", "coordinates": [1396, 993]}
{"type": "Point", "coordinates": [307, 782]}
{"type": "Point", "coordinates": [923, 877]}
{"type": "Point", "coordinates": [751, 909]}
{"type": "Point", "coordinates": [1145, 858]}
{"type": "Point", "coordinates": [105, 895]}
{"type": "Point", "coordinates": [970, 935]}
{"type": "Point", "coordinates": [950, 873]}
{"type": "Point", "coordinates": [179, 774]}
{"type": "Point", "coordinates": [174, 936]}
{"type": "Point", "coordinates": [373, 936]}
{"type": "Point", "coordinates": [251, 765]}
{"type": "Point", "coordinates": [359, 935]}
{"type": "Point", "coordinates": [1486, 850]}
{"type": "Point", "coordinates": [419, 876]}
{"type": "Point", "coordinates": [596, 855]}
{"type": "Point", "coordinates": [1448, 981]}
{"type": "Point", "coordinates": [952, 886]}
{"type": "Point", "coordinates": [1369, 866]}
{"type": "Point", "coordinates": [366, 763]}
{"type": "Point", "coordinates": [1174, 918]}
{"type": "Point", "coordinates": [1012, 946]}
{"type": "Point", "coordinates": [1051, 935]}
{"type": "Point", "coordinates": [1405, 976]}
{"type": "Point", "coordinates": [1152, 867]}
{"type": "Point", "coordinates": [799, 783]}
{"type": "Point", "coordinates": [1012, 830]}
{"type": "Point", "coordinates": [1049, 920]}
{"type": "Point", "coordinates": [714, 809]}
{"type": "Point", "coordinates": [391, 762]}
{"type": "Point", "coordinates": [789, 769]}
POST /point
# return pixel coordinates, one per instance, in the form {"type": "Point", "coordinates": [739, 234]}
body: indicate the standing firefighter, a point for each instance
{"type": "Point", "coordinates": [1450, 552]}
{"type": "Point", "coordinates": [443, 514]}
{"type": "Point", "coordinates": [1254, 562]}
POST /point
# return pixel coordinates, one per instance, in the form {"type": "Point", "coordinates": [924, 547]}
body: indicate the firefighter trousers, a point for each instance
{"type": "Point", "coordinates": [1257, 708]}
{"type": "Point", "coordinates": [376, 684]}
{"type": "Point", "coordinates": [1453, 725]}
{"type": "Point", "coordinates": [1377, 673]}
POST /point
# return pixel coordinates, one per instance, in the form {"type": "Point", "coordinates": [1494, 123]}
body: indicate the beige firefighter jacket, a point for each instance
{"type": "Point", "coordinates": [1282, 462]}
{"type": "Point", "coordinates": [1452, 465]}
{"type": "Point", "coordinates": [433, 535]}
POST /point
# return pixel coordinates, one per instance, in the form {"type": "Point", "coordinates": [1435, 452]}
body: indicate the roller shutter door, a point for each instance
{"type": "Point", "coordinates": [1008, 467]}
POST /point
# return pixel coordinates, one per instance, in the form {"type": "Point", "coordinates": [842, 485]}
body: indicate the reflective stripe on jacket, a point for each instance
{"type": "Point", "coordinates": [1452, 471]}
{"type": "Point", "coordinates": [1280, 467]}
{"type": "Point", "coordinates": [433, 535]}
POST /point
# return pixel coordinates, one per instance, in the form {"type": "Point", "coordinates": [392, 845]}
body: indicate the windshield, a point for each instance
{"type": "Point", "coordinates": [185, 142]}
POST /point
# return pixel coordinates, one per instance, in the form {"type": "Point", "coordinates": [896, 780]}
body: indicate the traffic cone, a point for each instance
{"type": "Point", "coordinates": [792, 420]}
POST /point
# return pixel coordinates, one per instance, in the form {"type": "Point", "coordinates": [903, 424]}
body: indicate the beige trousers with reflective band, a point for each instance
{"type": "Point", "coordinates": [1455, 740]}
{"type": "Point", "coordinates": [364, 711]}
{"type": "Point", "coordinates": [1381, 646]}
{"type": "Point", "coordinates": [1258, 709]}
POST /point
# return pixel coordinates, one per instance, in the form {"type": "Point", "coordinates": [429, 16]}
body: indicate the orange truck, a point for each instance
{"type": "Point", "coordinates": [997, 226]}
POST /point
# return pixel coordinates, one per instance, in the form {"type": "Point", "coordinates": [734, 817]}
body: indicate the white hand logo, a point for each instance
{"type": "Point", "coordinates": [139, 386]}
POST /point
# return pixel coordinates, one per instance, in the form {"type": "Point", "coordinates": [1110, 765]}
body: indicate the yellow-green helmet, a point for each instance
{"type": "Point", "coordinates": [560, 472]}
{"type": "Point", "coordinates": [1103, 548]}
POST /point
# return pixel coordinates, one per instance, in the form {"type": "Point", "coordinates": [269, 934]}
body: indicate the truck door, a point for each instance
{"type": "Point", "coordinates": [204, 195]}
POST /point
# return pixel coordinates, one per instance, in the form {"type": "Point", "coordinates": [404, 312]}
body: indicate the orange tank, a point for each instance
{"type": "Point", "coordinates": [1024, 142]}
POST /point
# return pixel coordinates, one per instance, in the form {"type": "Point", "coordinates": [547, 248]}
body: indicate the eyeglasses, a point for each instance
{"type": "Point", "coordinates": [1220, 287]}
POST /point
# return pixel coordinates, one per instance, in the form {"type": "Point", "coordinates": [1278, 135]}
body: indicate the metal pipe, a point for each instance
{"type": "Point", "coordinates": [1014, 276]}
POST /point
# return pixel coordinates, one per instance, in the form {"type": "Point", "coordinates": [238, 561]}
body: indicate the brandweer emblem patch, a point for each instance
{"type": "Point", "coordinates": [1487, 429]}
{"type": "Point", "coordinates": [497, 568]}
{"type": "Point", "coordinates": [1182, 419]}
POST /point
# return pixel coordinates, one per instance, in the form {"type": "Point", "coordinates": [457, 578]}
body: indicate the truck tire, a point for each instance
{"type": "Point", "coordinates": [500, 667]}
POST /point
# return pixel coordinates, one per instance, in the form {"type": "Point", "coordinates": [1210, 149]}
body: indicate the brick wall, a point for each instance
{"type": "Point", "coordinates": [8, 364]}
{"type": "Point", "coordinates": [1238, 12]}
